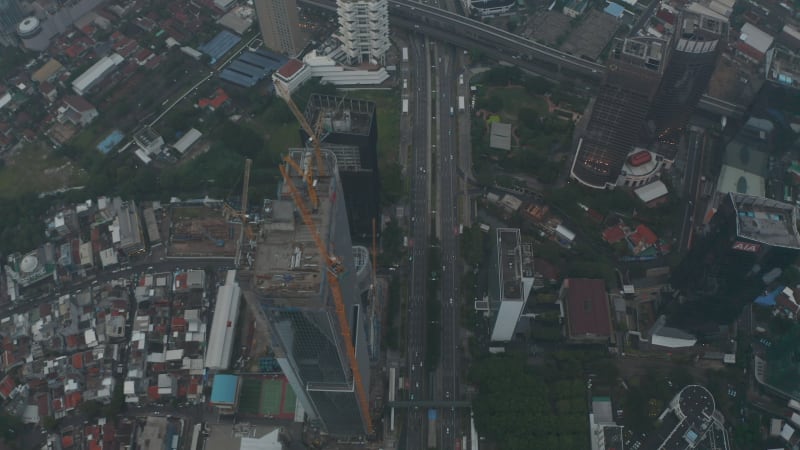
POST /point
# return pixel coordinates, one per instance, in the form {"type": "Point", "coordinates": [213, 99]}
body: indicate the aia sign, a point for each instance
{"type": "Point", "coordinates": [746, 247]}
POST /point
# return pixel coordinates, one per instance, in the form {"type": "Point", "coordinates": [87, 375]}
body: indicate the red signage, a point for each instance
{"type": "Point", "coordinates": [746, 247]}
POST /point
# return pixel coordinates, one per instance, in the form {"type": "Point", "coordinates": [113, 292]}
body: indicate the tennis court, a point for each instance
{"type": "Point", "coordinates": [267, 396]}
{"type": "Point", "coordinates": [250, 396]}
{"type": "Point", "coordinates": [271, 396]}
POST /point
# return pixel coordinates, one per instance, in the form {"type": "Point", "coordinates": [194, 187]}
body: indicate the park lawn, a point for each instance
{"type": "Point", "coordinates": [515, 98]}
{"type": "Point", "coordinates": [388, 104]}
{"type": "Point", "coordinates": [36, 169]}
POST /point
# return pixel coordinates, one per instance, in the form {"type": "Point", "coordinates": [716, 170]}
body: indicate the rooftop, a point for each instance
{"type": "Point", "coordinates": [587, 307]}
{"type": "Point", "coordinates": [223, 390]}
{"type": "Point", "coordinates": [341, 114]}
{"type": "Point", "coordinates": [288, 264]}
{"type": "Point", "coordinates": [755, 38]}
{"type": "Point", "coordinates": [766, 221]}
{"type": "Point", "coordinates": [509, 255]}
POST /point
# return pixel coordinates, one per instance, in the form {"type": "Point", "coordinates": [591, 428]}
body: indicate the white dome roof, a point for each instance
{"type": "Point", "coordinates": [29, 264]}
{"type": "Point", "coordinates": [28, 25]}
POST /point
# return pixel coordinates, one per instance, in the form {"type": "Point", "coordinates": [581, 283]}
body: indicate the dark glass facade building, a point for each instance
{"type": "Point", "coordinates": [350, 131]}
{"type": "Point", "coordinates": [699, 38]}
{"type": "Point", "coordinates": [10, 16]}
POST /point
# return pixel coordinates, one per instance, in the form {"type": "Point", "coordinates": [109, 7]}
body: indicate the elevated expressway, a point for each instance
{"type": "Point", "coordinates": [504, 46]}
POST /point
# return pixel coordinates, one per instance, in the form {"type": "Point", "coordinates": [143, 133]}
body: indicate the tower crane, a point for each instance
{"type": "Point", "coordinates": [283, 92]}
{"type": "Point", "coordinates": [334, 271]}
{"type": "Point", "coordinates": [242, 214]}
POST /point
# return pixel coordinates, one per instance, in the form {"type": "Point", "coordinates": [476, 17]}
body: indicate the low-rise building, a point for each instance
{"type": "Point", "coordinates": [585, 305]}
{"type": "Point", "coordinates": [77, 110]}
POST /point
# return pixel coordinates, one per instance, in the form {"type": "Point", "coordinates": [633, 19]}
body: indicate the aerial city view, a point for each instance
{"type": "Point", "coordinates": [399, 224]}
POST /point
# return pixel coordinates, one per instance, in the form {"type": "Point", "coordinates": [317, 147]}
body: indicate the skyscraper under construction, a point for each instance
{"type": "Point", "coordinates": [699, 37]}
{"type": "Point", "coordinates": [315, 323]}
{"type": "Point", "coordinates": [352, 126]}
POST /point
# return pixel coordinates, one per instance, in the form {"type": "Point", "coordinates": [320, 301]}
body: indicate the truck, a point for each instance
{"type": "Point", "coordinates": [405, 54]}
{"type": "Point", "coordinates": [461, 79]}
{"type": "Point", "coordinates": [405, 106]}
{"type": "Point", "coordinates": [461, 104]}
{"type": "Point", "coordinates": [431, 428]}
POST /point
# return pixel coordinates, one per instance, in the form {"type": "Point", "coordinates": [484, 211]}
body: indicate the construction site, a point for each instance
{"type": "Point", "coordinates": [311, 294]}
{"type": "Point", "coordinates": [200, 231]}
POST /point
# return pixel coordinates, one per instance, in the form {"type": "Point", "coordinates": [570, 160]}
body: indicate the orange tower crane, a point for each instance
{"type": "Point", "coordinates": [334, 269]}
{"type": "Point", "coordinates": [284, 93]}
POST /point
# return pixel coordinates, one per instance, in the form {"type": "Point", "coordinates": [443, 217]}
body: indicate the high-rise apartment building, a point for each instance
{"type": "Point", "coordinates": [295, 300]}
{"type": "Point", "coordinates": [352, 125]}
{"type": "Point", "coordinates": [699, 37]}
{"type": "Point", "coordinates": [364, 30]}
{"type": "Point", "coordinates": [280, 26]}
{"type": "Point", "coordinates": [510, 283]}
{"type": "Point", "coordinates": [617, 118]}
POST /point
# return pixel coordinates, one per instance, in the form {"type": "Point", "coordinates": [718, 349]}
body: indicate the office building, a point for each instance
{"type": "Point", "coordinates": [350, 131]}
{"type": "Point", "coordinates": [617, 118]}
{"type": "Point", "coordinates": [364, 30]}
{"type": "Point", "coordinates": [10, 16]}
{"type": "Point", "coordinates": [511, 282]}
{"type": "Point", "coordinates": [280, 26]}
{"type": "Point", "coordinates": [291, 288]}
{"type": "Point", "coordinates": [750, 233]}
{"type": "Point", "coordinates": [699, 38]}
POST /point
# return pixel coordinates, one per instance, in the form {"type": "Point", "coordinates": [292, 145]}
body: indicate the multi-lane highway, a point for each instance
{"type": "Point", "coordinates": [446, 75]}
{"type": "Point", "coordinates": [419, 174]}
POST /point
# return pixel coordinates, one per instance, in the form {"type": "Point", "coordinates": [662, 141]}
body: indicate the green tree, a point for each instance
{"type": "Point", "coordinates": [393, 186]}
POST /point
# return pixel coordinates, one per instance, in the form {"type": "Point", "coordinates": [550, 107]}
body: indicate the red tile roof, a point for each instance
{"type": "Point", "coordinates": [58, 404]}
{"type": "Point", "coordinates": [587, 307]}
{"type": "Point", "coordinates": [152, 392]}
{"type": "Point", "coordinates": [7, 385]}
{"type": "Point", "coordinates": [78, 103]}
{"type": "Point", "coordinates": [73, 400]}
{"type": "Point", "coordinates": [290, 68]}
{"type": "Point", "coordinates": [644, 234]}
{"type": "Point", "coordinates": [43, 405]}
{"type": "Point", "coordinates": [67, 441]}
{"type": "Point", "coordinates": [219, 98]}
{"type": "Point", "coordinates": [614, 234]}
{"type": "Point", "coordinates": [666, 16]}
{"type": "Point", "coordinates": [77, 360]}
{"type": "Point", "coordinates": [72, 341]}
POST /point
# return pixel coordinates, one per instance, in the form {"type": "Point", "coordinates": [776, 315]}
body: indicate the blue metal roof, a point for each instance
{"type": "Point", "coordinates": [223, 391]}
{"type": "Point", "coordinates": [261, 61]}
{"type": "Point", "coordinates": [769, 298]}
{"type": "Point", "coordinates": [237, 78]}
{"type": "Point", "coordinates": [221, 43]}
{"type": "Point", "coordinates": [614, 9]}
{"type": "Point", "coordinates": [247, 69]}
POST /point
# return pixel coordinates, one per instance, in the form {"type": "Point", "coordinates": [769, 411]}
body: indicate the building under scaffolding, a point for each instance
{"type": "Point", "coordinates": [350, 131]}
{"type": "Point", "coordinates": [293, 298]}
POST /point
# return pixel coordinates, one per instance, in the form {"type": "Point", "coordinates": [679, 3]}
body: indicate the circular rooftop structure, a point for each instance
{"type": "Point", "coordinates": [696, 402]}
{"type": "Point", "coordinates": [29, 264]}
{"type": "Point", "coordinates": [28, 27]}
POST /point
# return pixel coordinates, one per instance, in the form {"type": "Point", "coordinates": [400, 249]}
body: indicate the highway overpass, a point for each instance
{"type": "Point", "coordinates": [504, 46]}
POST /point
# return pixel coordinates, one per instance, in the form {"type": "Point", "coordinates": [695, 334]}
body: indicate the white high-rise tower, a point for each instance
{"type": "Point", "coordinates": [364, 30]}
